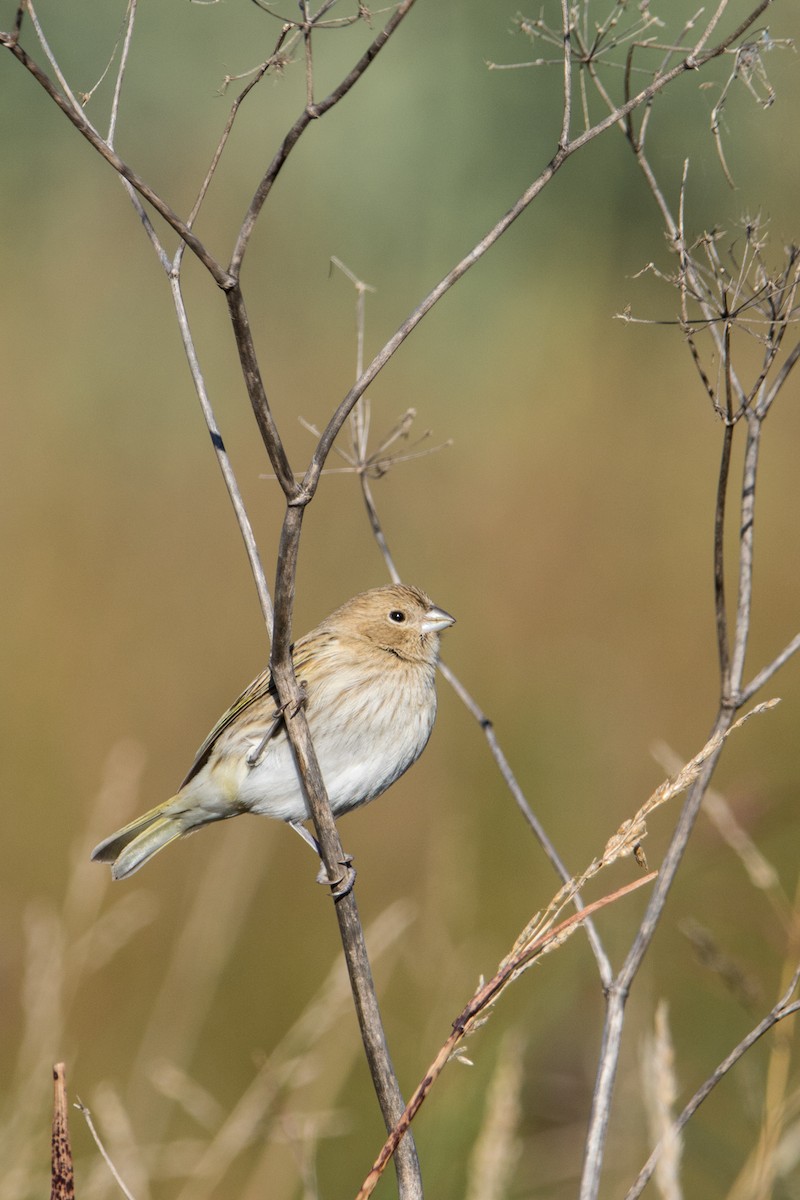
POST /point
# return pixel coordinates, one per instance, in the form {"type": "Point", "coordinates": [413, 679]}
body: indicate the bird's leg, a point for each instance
{"type": "Point", "coordinates": [256, 754]}
{"type": "Point", "coordinates": [306, 836]}
{"type": "Point", "coordinates": [343, 884]}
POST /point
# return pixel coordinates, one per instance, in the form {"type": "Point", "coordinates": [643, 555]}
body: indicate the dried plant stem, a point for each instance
{"type": "Point", "coordinates": [62, 1186]}
{"type": "Point", "coordinates": [87, 130]}
{"type": "Point", "coordinates": [723, 649]}
{"type": "Point", "coordinates": [763, 677]}
{"type": "Point", "coordinates": [311, 112]}
{"type": "Point", "coordinates": [338, 870]}
{"type": "Point", "coordinates": [223, 460]}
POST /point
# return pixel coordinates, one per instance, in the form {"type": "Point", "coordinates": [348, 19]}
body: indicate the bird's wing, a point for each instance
{"type": "Point", "coordinates": [303, 654]}
{"type": "Point", "coordinates": [261, 687]}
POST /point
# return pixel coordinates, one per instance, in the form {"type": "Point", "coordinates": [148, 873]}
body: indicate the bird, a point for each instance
{"type": "Point", "coordinates": [367, 678]}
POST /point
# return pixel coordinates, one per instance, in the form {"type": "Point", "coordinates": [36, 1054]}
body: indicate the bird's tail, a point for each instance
{"type": "Point", "coordinates": [131, 847]}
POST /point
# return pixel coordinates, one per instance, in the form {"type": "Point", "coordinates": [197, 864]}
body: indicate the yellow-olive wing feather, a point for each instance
{"type": "Point", "coordinates": [261, 687]}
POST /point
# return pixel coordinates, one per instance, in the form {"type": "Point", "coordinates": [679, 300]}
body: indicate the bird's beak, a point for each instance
{"type": "Point", "coordinates": [436, 619]}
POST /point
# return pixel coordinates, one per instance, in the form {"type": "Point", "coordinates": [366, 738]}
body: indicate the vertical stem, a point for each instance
{"type": "Point", "coordinates": [746, 531]}
{"type": "Point", "coordinates": [618, 993]}
{"type": "Point", "coordinates": [384, 1080]}
{"type": "Point", "coordinates": [719, 560]}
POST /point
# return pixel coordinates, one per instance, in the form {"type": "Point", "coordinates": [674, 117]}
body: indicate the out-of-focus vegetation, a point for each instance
{"type": "Point", "coordinates": [568, 528]}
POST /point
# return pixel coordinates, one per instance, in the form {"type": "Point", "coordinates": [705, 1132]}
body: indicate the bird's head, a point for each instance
{"type": "Point", "coordinates": [398, 619]}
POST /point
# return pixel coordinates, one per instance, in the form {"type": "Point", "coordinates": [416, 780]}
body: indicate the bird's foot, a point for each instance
{"type": "Point", "coordinates": [342, 885]}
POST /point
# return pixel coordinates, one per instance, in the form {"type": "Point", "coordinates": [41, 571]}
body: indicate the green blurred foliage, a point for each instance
{"type": "Point", "coordinates": [568, 528]}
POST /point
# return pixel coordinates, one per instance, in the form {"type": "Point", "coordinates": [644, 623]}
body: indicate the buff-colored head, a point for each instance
{"type": "Point", "coordinates": [398, 619]}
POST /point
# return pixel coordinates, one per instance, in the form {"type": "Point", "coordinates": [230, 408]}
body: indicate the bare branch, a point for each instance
{"type": "Point", "coordinates": [130, 18]}
{"type": "Point", "coordinates": [723, 648]}
{"type": "Point", "coordinates": [221, 453]}
{"type": "Point", "coordinates": [275, 59]}
{"type": "Point", "coordinates": [310, 113]}
{"type": "Point", "coordinates": [566, 120]}
{"type": "Point", "coordinates": [258, 396]}
{"type": "Point", "coordinates": [758, 681]}
{"type": "Point", "coordinates": [746, 532]}
{"type": "Point", "coordinates": [87, 130]}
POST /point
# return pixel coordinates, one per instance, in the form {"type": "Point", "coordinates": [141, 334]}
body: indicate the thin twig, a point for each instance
{"type": "Point", "coordinates": [273, 60]}
{"type": "Point", "coordinates": [723, 649]}
{"type": "Point", "coordinates": [258, 395]}
{"type": "Point", "coordinates": [87, 130]}
{"type": "Point", "coordinates": [764, 675]}
{"type": "Point", "coordinates": [87, 1116]}
{"type": "Point", "coordinates": [225, 466]}
{"type": "Point", "coordinates": [566, 119]}
{"type": "Point", "coordinates": [311, 112]}
{"type": "Point", "coordinates": [130, 18]}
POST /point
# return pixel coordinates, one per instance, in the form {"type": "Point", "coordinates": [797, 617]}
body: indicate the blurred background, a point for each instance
{"type": "Point", "coordinates": [568, 527]}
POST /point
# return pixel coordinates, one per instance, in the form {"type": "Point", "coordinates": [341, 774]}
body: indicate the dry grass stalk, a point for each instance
{"type": "Point", "coordinates": [497, 1147]}
{"type": "Point", "coordinates": [761, 873]}
{"type": "Point", "coordinates": [660, 1093]}
{"type": "Point", "coordinates": [627, 840]}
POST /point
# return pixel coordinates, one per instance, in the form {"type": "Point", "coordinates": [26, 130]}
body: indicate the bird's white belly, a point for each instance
{"type": "Point", "coordinates": [355, 769]}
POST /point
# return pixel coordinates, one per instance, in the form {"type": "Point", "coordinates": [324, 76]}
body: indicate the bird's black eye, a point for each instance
{"type": "Point", "coordinates": [397, 615]}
